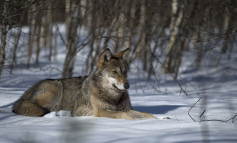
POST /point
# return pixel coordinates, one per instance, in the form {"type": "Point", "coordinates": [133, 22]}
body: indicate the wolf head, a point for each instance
{"type": "Point", "coordinates": [112, 71]}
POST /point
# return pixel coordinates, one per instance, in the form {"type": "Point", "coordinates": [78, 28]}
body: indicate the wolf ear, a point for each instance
{"type": "Point", "coordinates": [120, 54]}
{"type": "Point", "coordinates": [105, 57]}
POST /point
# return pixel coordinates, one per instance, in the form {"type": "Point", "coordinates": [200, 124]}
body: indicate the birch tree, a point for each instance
{"type": "Point", "coordinates": [32, 13]}
{"type": "Point", "coordinates": [170, 64]}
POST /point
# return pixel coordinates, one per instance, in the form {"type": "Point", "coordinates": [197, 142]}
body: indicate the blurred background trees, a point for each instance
{"type": "Point", "coordinates": [154, 30]}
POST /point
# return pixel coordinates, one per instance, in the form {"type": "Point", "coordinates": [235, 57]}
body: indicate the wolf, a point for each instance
{"type": "Point", "coordinates": [101, 94]}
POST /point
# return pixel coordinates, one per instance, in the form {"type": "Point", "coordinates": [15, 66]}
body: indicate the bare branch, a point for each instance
{"type": "Point", "coordinates": [192, 108]}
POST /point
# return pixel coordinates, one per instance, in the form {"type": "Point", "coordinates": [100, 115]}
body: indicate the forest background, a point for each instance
{"type": "Point", "coordinates": [155, 31]}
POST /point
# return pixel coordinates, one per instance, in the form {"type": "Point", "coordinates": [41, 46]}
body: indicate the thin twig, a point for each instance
{"type": "Point", "coordinates": [192, 108]}
{"type": "Point", "coordinates": [202, 113]}
{"type": "Point", "coordinates": [60, 35]}
{"type": "Point", "coordinates": [219, 120]}
{"type": "Point", "coordinates": [180, 86]}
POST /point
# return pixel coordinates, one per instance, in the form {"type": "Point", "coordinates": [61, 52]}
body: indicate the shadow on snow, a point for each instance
{"type": "Point", "coordinates": [156, 109]}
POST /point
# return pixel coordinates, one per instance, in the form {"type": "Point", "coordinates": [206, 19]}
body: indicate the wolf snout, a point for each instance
{"type": "Point", "coordinates": [126, 86]}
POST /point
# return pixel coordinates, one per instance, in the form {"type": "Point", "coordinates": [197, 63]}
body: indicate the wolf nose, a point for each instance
{"type": "Point", "coordinates": [126, 86]}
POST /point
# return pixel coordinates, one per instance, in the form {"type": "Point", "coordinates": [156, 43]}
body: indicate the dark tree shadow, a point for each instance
{"type": "Point", "coordinates": [156, 109]}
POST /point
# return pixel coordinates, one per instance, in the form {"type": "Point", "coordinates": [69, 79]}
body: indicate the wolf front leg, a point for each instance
{"type": "Point", "coordinates": [137, 114]}
{"type": "Point", "coordinates": [130, 115]}
{"type": "Point", "coordinates": [114, 114]}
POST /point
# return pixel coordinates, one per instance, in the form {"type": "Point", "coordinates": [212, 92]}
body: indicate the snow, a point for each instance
{"type": "Point", "coordinates": [162, 98]}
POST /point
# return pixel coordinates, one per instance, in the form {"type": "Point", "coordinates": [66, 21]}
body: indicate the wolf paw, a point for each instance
{"type": "Point", "coordinates": [50, 115]}
{"type": "Point", "coordinates": [148, 115]}
{"type": "Point", "coordinates": [61, 113]}
{"type": "Point", "coordinates": [164, 118]}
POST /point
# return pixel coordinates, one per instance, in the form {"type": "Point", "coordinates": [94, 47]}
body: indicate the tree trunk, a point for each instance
{"type": "Point", "coordinates": [43, 31]}
{"type": "Point", "coordinates": [120, 32]}
{"type": "Point", "coordinates": [3, 36]}
{"type": "Point", "coordinates": [130, 24]}
{"type": "Point", "coordinates": [37, 34]}
{"type": "Point", "coordinates": [31, 34]}
{"type": "Point", "coordinates": [46, 29]}
{"type": "Point", "coordinates": [16, 42]}
{"type": "Point", "coordinates": [141, 26]}
{"type": "Point", "coordinates": [49, 29]}
{"type": "Point", "coordinates": [199, 48]}
{"type": "Point", "coordinates": [169, 65]}
{"type": "Point", "coordinates": [72, 19]}
{"type": "Point", "coordinates": [119, 22]}
{"type": "Point", "coordinates": [131, 29]}
{"type": "Point", "coordinates": [37, 43]}
{"type": "Point", "coordinates": [227, 33]}
{"type": "Point", "coordinates": [55, 43]}
{"type": "Point", "coordinates": [92, 35]}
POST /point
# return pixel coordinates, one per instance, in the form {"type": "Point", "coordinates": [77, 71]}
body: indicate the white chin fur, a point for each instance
{"type": "Point", "coordinates": [120, 86]}
{"type": "Point", "coordinates": [113, 81]}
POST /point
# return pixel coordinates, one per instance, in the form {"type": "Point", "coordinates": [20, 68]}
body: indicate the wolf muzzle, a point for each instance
{"type": "Point", "coordinates": [126, 86]}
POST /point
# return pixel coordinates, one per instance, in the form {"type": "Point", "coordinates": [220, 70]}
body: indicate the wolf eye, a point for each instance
{"type": "Point", "coordinates": [115, 72]}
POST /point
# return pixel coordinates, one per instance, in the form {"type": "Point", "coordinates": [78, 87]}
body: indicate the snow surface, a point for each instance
{"type": "Point", "coordinates": [160, 96]}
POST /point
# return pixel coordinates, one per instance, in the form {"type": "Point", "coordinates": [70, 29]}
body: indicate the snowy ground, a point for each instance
{"type": "Point", "coordinates": [163, 98]}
